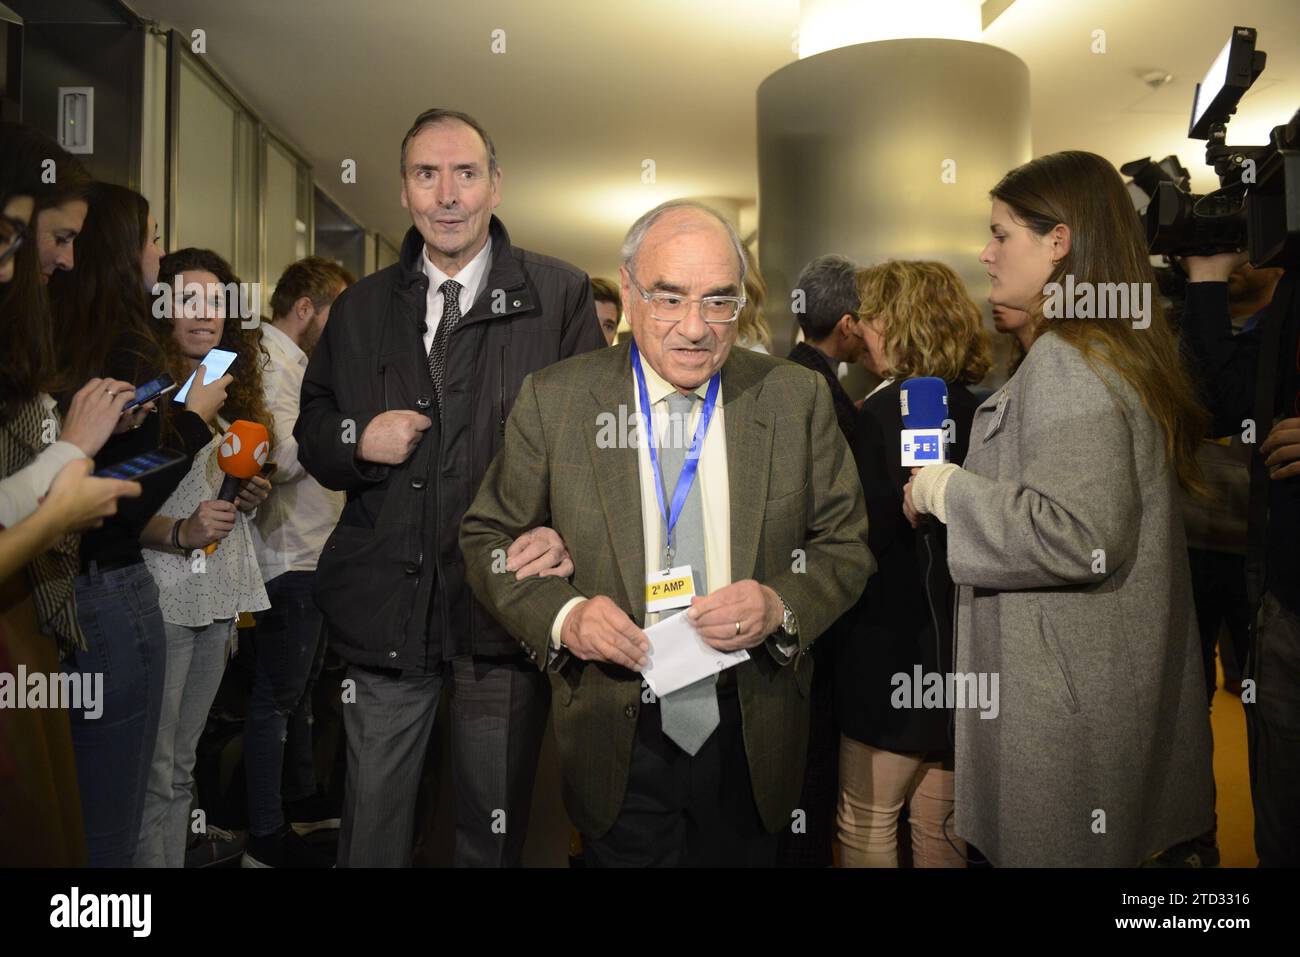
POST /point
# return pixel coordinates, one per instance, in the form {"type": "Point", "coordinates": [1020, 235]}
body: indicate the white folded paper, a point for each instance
{"type": "Point", "coordinates": [679, 656]}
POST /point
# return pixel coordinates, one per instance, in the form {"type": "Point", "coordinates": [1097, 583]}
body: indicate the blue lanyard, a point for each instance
{"type": "Point", "coordinates": [692, 461]}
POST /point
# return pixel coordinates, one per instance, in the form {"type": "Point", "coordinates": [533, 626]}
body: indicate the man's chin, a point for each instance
{"type": "Point", "coordinates": [686, 374]}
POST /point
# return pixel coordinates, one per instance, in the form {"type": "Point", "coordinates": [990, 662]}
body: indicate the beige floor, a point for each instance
{"type": "Point", "coordinates": [1231, 775]}
{"type": "Point", "coordinates": [549, 829]}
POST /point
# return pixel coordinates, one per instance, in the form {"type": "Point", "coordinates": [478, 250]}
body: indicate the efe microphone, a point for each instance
{"type": "Point", "coordinates": [924, 404]}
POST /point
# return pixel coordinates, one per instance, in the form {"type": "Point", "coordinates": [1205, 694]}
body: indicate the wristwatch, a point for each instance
{"type": "Point", "coordinates": [788, 623]}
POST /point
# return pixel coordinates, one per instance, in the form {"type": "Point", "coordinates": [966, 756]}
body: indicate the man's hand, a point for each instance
{"type": "Point", "coordinates": [909, 509]}
{"type": "Point", "coordinates": [1282, 449]}
{"type": "Point", "coordinates": [391, 437]}
{"type": "Point", "coordinates": [598, 630]}
{"type": "Point", "coordinates": [756, 607]}
{"type": "Point", "coordinates": [541, 552]}
{"type": "Point", "coordinates": [253, 493]}
{"type": "Point", "coordinates": [1216, 268]}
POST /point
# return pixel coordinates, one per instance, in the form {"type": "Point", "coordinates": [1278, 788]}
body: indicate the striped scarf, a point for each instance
{"type": "Point", "coordinates": [53, 573]}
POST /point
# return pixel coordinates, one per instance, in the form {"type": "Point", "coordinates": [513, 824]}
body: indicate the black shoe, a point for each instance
{"type": "Point", "coordinates": [214, 848]}
{"type": "Point", "coordinates": [283, 849]}
{"type": "Point", "coordinates": [315, 813]}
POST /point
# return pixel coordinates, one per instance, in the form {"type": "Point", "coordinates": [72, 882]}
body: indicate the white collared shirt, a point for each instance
{"type": "Point", "coordinates": [294, 522]}
{"type": "Point", "coordinates": [472, 279]}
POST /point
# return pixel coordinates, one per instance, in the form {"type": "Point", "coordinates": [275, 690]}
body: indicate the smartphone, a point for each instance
{"type": "Point", "coordinates": [268, 470]}
{"type": "Point", "coordinates": [147, 464]}
{"type": "Point", "coordinates": [215, 365]}
{"type": "Point", "coordinates": [150, 391]}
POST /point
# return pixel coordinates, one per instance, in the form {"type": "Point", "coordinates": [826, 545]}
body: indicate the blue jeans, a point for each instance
{"type": "Point", "coordinates": [290, 649]}
{"type": "Point", "coordinates": [196, 660]}
{"type": "Point", "coordinates": [119, 615]}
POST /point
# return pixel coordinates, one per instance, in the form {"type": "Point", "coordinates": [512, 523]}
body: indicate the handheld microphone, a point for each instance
{"type": "Point", "coordinates": [241, 455]}
{"type": "Point", "coordinates": [924, 404]}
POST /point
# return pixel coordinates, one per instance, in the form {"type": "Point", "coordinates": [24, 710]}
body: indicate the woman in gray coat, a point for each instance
{"type": "Point", "coordinates": [1065, 537]}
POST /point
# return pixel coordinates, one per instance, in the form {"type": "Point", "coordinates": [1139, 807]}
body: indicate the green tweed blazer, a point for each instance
{"type": "Point", "coordinates": [798, 525]}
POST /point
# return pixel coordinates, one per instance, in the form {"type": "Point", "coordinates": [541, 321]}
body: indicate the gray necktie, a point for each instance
{"type": "Point", "coordinates": [689, 715]}
{"type": "Point", "coordinates": [438, 350]}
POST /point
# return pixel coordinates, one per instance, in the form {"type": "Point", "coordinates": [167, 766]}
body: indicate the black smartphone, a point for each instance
{"type": "Point", "coordinates": [150, 391]}
{"type": "Point", "coordinates": [147, 464]}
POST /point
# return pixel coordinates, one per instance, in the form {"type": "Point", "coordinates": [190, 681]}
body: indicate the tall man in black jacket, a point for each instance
{"type": "Point", "coordinates": [1229, 366]}
{"type": "Point", "coordinates": [404, 405]}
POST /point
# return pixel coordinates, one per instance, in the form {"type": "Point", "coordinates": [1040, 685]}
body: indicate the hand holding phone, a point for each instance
{"type": "Point", "coordinates": [205, 400]}
{"type": "Point", "coordinates": [81, 501]}
{"type": "Point", "coordinates": [213, 367]}
{"type": "Point", "coordinates": [94, 414]}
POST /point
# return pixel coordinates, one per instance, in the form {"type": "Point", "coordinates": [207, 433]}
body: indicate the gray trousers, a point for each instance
{"type": "Point", "coordinates": [498, 716]}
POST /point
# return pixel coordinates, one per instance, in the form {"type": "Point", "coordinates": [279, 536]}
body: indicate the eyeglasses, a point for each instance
{"type": "Point", "coordinates": [670, 307]}
{"type": "Point", "coordinates": [13, 233]}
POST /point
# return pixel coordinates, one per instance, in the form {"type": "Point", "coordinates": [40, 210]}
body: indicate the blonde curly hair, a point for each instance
{"type": "Point", "coordinates": [929, 324]}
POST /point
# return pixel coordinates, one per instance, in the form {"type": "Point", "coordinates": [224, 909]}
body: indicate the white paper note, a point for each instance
{"type": "Point", "coordinates": [679, 656]}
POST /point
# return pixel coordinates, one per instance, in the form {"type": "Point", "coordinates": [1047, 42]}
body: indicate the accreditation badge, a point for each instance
{"type": "Point", "coordinates": [665, 590]}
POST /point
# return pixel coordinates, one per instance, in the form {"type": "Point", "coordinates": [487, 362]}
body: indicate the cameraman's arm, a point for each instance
{"type": "Point", "coordinates": [1225, 364]}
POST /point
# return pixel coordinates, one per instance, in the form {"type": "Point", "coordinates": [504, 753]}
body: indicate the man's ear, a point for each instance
{"type": "Point", "coordinates": [304, 309]}
{"type": "Point", "coordinates": [848, 326]}
{"type": "Point", "coordinates": [496, 189]}
{"type": "Point", "coordinates": [625, 293]}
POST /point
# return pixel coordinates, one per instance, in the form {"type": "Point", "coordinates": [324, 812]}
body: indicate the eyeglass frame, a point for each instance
{"type": "Point", "coordinates": [22, 231]}
{"type": "Point", "coordinates": [647, 297]}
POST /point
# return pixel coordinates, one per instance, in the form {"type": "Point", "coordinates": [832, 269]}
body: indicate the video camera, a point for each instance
{"type": "Point", "coordinates": [1257, 207]}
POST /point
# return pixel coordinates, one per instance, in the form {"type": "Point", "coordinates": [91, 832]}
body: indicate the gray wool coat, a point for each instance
{"type": "Point", "coordinates": [1067, 544]}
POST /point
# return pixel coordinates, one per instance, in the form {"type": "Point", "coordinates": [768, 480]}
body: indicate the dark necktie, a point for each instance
{"type": "Point", "coordinates": [438, 350]}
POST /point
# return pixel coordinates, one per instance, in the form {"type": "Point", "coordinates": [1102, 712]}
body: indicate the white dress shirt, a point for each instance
{"type": "Point", "coordinates": [472, 279]}
{"type": "Point", "coordinates": [295, 520]}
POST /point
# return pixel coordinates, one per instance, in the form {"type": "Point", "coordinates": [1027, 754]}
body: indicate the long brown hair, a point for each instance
{"type": "Point", "coordinates": [930, 326]}
{"type": "Point", "coordinates": [752, 326]}
{"type": "Point", "coordinates": [1085, 192]}
{"type": "Point", "coordinates": [102, 306]}
{"type": "Point", "coordinates": [27, 358]}
{"type": "Point", "coordinates": [244, 398]}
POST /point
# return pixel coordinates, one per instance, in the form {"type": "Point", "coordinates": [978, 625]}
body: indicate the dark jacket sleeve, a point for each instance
{"type": "Point", "coordinates": [580, 328]}
{"type": "Point", "coordinates": [1225, 363]}
{"type": "Point", "coordinates": [327, 435]}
